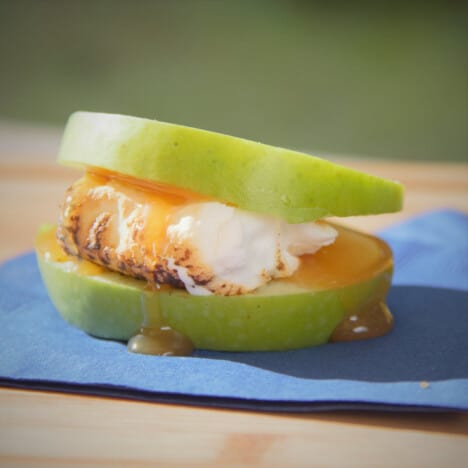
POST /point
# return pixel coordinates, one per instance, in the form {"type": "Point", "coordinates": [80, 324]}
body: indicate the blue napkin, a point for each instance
{"type": "Point", "coordinates": [422, 364]}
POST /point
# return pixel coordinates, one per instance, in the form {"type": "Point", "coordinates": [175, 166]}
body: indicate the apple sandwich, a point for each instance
{"type": "Point", "coordinates": [177, 237]}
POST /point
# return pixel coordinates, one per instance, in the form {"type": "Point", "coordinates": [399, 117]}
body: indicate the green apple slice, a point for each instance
{"type": "Point", "coordinates": [278, 316]}
{"type": "Point", "coordinates": [253, 176]}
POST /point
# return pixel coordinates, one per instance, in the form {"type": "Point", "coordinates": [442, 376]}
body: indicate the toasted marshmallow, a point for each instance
{"type": "Point", "coordinates": [224, 250]}
{"type": "Point", "coordinates": [206, 247]}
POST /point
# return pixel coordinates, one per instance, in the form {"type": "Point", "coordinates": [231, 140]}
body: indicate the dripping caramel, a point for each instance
{"type": "Point", "coordinates": [154, 336]}
{"type": "Point", "coordinates": [160, 341]}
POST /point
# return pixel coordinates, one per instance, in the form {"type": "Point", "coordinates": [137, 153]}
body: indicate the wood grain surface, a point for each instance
{"type": "Point", "coordinates": [54, 429]}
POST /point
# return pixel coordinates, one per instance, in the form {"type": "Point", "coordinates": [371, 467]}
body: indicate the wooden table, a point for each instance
{"type": "Point", "coordinates": [49, 429]}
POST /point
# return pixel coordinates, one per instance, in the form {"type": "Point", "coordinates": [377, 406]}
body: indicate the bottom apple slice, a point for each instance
{"type": "Point", "coordinates": [279, 316]}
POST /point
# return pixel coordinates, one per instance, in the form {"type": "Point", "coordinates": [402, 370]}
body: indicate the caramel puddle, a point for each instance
{"type": "Point", "coordinates": [371, 321]}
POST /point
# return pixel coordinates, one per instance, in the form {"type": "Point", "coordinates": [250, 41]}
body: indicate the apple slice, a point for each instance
{"type": "Point", "coordinates": [253, 176]}
{"type": "Point", "coordinates": [281, 315]}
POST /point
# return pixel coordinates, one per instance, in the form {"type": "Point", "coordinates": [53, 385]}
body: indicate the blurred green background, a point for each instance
{"type": "Point", "coordinates": [326, 77]}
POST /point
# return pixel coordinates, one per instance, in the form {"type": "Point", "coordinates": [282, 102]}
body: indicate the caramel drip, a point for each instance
{"type": "Point", "coordinates": [154, 336]}
{"type": "Point", "coordinates": [160, 341]}
{"type": "Point", "coordinates": [370, 321]}
{"type": "Point", "coordinates": [352, 258]}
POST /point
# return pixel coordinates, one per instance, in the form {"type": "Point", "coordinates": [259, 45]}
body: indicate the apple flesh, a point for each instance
{"type": "Point", "coordinates": [278, 316]}
{"type": "Point", "coordinates": [256, 177]}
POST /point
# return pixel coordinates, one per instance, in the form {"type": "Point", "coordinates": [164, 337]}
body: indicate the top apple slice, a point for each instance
{"type": "Point", "coordinates": [253, 176]}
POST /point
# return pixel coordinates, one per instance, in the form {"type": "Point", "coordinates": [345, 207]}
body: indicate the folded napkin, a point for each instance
{"type": "Point", "coordinates": [422, 364]}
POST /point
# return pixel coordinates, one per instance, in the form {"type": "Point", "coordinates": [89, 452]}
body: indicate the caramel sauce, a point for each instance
{"type": "Point", "coordinates": [156, 338]}
{"type": "Point", "coordinates": [47, 245]}
{"type": "Point", "coordinates": [161, 341]}
{"type": "Point", "coordinates": [353, 257]}
{"type": "Point", "coordinates": [84, 267]}
{"type": "Point", "coordinates": [176, 194]}
{"type": "Point", "coordinates": [370, 321]}
{"type": "Point", "coordinates": [159, 202]}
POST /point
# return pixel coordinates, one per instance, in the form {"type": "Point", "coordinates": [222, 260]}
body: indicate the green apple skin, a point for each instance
{"type": "Point", "coordinates": [277, 317]}
{"type": "Point", "coordinates": [256, 177]}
